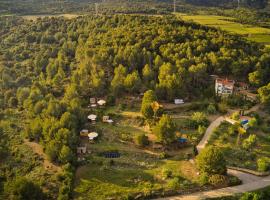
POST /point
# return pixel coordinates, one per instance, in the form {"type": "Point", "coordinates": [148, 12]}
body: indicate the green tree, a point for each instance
{"type": "Point", "coordinates": [211, 161]}
{"type": "Point", "coordinates": [165, 130]}
{"type": "Point", "coordinates": [66, 155]}
{"type": "Point", "coordinates": [199, 118]}
{"type": "Point", "coordinates": [264, 94]}
{"type": "Point", "coordinates": [148, 75]}
{"type": "Point", "coordinates": [249, 142]}
{"type": "Point", "coordinates": [141, 140]}
{"type": "Point", "coordinates": [146, 108]}
{"type": "Point", "coordinates": [133, 82]}
{"type": "Point", "coordinates": [117, 83]}
{"type": "Point", "coordinates": [22, 95]}
{"type": "Point", "coordinates": [23, 189]}
{"type": "Point", "coordinates": [52, 150]}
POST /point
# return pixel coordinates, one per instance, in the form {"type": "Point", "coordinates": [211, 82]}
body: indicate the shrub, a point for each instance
{"type": "Point", "coordinates": [235, 116]}
{"type": "Point", "coordinates": [110, 100]}
{"type": "Point", "coordinates": [263, 164]}
{"type": "Point", "coordinates": [218, 180]}
{"type": "Point", "coordinates": [141, 140]}
{"type": "Point", "coordinates": [12, 102]}
{"type": "Point", "coordinates": [201, 130]}
{"type": "Point", "coordinates": [174, 183]}
{"type": "Point", "coordinates": [204, 179]}
{"type": "Point", "coordinates": [222, 107]}
{"type": "Point", "coordinates": [166, 173]}
{"type": "Point", "coordinates": [23, 189]}
{"type": "Point", "coordinates": [249, 142]}
{"type": "Point", "coordinates": [199, 118]}
{"type": "Point", "coordinates": [163, 155]}
{"type": "Point", "coordinates": [233, 181]}
{"type": "Point", "coordinates": [211, 161]}
{"type": "Point", "coordinates": [211, 109]}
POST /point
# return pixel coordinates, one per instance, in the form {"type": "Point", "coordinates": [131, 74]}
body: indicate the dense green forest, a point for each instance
{"type": "Point", "coordinates": [123, 6]}
{"type": "Point", "coordinates": [226, 3]}
{"type": "Point", "coordinates": [51, 67]}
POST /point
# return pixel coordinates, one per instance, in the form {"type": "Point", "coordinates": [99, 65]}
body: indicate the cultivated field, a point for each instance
{"type": "Point", "coordinates": [253, 33]}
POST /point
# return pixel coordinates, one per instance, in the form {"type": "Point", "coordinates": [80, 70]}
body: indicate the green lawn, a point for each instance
{"type": "Point", "coordinates": [254, 33]}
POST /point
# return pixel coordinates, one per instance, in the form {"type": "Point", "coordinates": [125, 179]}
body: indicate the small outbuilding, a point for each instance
{"type": "Point", "coordinates": [178, 101]}
{"type": "Point", "coordinates": [101, 102]}
{"type": "Point", "coordinates": [107, 119]}
{"type": "Point", "coordinates": [81, 150]}
{"type": "Point", "coordinates": [93, 100]}
{"type": "Point", "coordinates": [84, 133]}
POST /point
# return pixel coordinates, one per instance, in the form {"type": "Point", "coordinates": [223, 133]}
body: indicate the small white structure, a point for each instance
{"type": "Point", "coordinates": [231, 121]}
{"type": "Point", "coordinates": [101, 102]}
{"type": "Point", "coordinates": [93, 105]}
{"type": "Point", "coordinates": [92, 135]}
{"type": "Point", "coordinates": [92, 117]}
{"type": "Point", "coordinates": [178, 101]}
{"type": "Point", "coordinates": [93, 101]}
{"type": "Point", "coordinates": [84, 133]}
{"type": "Point", "coordinates": [224, 86]}
{"type": "Point", "coordinates": [81, 150]}
{"type": "Point", "coordinates": [110, 121]}
{"type": "Point", "coordinates": [107, 119]}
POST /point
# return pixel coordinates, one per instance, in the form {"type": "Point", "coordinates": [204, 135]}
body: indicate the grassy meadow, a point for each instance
{"type": "Point", "coordinates": [253, 33]}
{"type": "Point", "coordinates": [139, 172]}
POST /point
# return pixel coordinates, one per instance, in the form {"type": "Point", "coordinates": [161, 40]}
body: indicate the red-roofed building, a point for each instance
{"type": "Point", "coordinates": [224, 86]}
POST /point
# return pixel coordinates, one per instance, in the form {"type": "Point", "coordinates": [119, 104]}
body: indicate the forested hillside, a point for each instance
{"type": "Point", "coordinates": [119, 6]}
{"type": "Point", "coordinates": [226, 3]}
{"type": "Point", "coordinates": [50, 68]}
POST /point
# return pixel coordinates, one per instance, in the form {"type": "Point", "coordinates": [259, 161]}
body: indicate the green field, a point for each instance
{"type": "Point", "coordinates": [253, 33]}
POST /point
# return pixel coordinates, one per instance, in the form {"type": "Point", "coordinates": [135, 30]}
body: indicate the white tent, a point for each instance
{"type": "Point", "coordinates": [110, 121]}
{"type": "Point", "coordinates": [92, 117]}
{"type": "Point", "coordinates": [92, 135]}
{"type": "Point", "coordinates": [178, 101]}
{"type": "Point", "coordinates": [101, 102]}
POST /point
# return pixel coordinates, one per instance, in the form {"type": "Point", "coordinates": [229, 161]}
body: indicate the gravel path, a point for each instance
{"type": "Point", "coordinates": [250, 186]}
{"type": "Point", "coordinates": [208, 133]}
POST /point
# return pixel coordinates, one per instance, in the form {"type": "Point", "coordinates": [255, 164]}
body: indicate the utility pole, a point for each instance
{"type": "Point", "coordinates": [174, 6]}
{"type": "Point", "coordinates": [238, 3]}
{"type": "Point", "coordinates": [96, 8]}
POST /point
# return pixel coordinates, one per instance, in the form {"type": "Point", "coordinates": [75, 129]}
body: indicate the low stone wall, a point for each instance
{"type": "Point", "coordinates": [256, 173]}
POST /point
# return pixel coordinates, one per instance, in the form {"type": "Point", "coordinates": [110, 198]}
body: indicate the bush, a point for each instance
{"type": "Point", "coordinates": [211, 161]}
{"type": "Point", "coordinates": [141, 140]}
{"type": "Point", "coordinates": [199, 118]}
{"type": "Point", "coordinates": [235, 116]}
{"type": "Point", "coordinates": [222, 107]}
{"type": "Point", "coordinates": [211, 109]}
{"type": "Point", "coordinates": [163, 155]}
{"type": "Point", "coordinates": [233, 181]}
{"type": "Point", "coordinates": [166, 173]}
{"type": "Point", "coordinates": [249, 142]}
{"type": "Point", "coordinates": [110, 100]}
{"type": "Point", "coordinates": [23, 189]}
{"type": "Point", "coordinates": [174, 183]}
{"type": "Point", "coordinates": [263, 165]}
{"type": "Point", "coordinates": [218, 180]}
{"type": "Point", "coordinates": [204, 179]}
